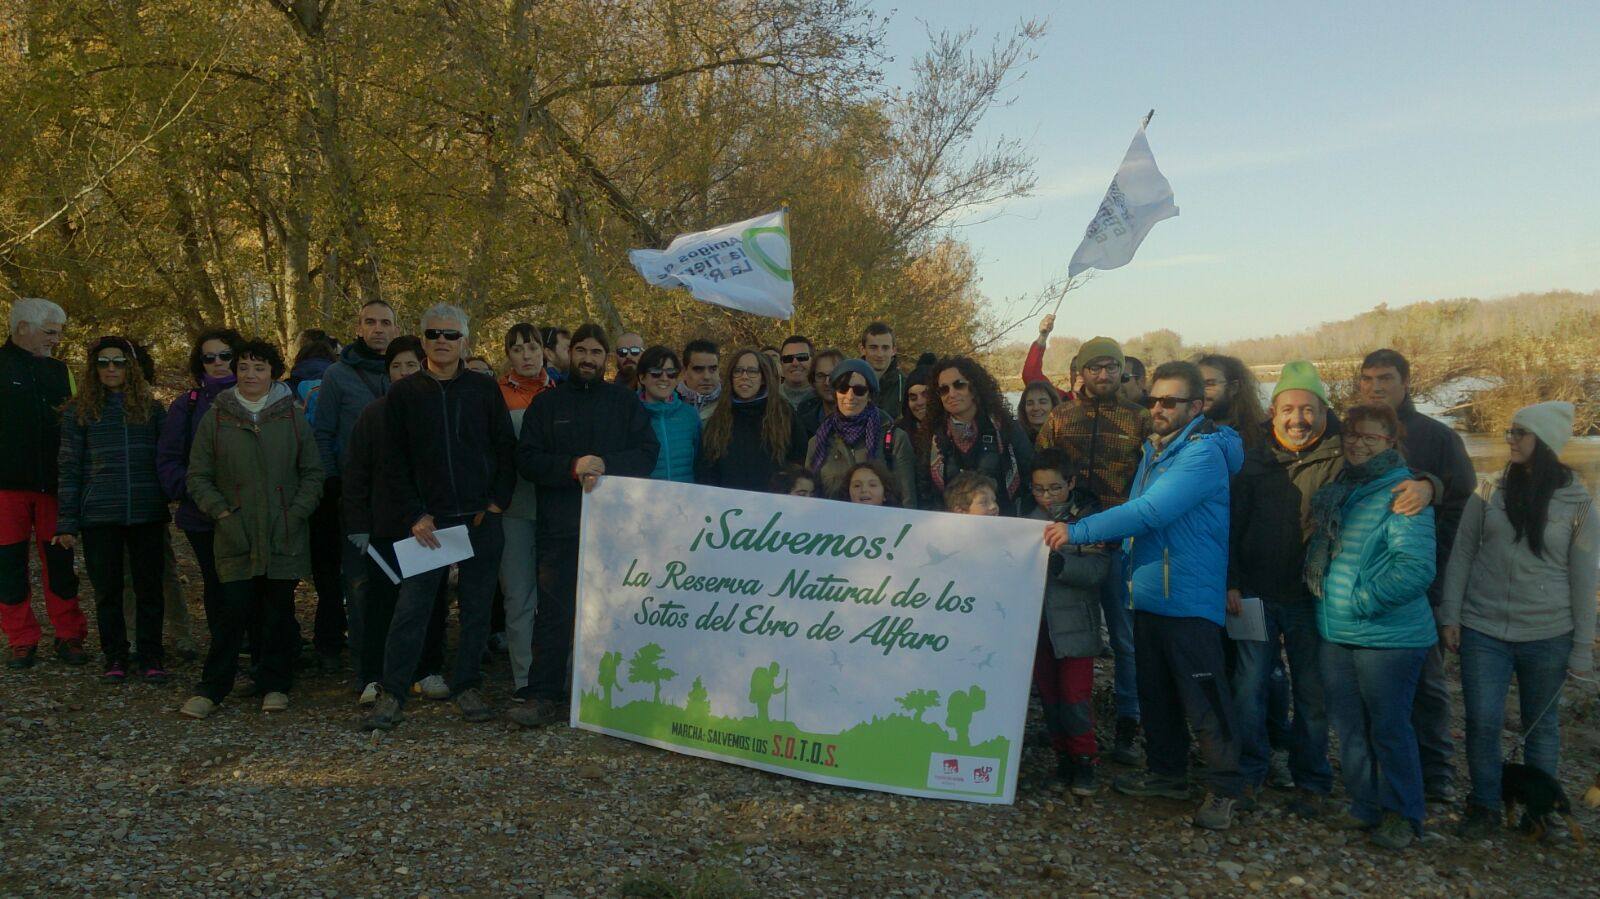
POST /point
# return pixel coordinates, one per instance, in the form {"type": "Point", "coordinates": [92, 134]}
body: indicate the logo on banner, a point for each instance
{"type": "Point", "coordinates": [970, 774]}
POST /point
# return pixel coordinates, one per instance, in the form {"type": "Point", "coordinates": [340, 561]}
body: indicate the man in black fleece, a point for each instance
{"type": "Point", "coordinates": [449, 460]}
{"type": "Point", "coordinates": [571, 436]}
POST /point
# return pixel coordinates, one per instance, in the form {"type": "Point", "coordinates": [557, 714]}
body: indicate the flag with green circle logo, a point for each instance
{"type": "Point", "coordinates": [742, 266]}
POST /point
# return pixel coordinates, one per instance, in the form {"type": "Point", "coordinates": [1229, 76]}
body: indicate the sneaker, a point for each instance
{"type": "Point", "coordinates": [115, 673]}
{"type": "Point", "coordinates": [197, 707]}
{"type": "Point", "coordinates": [22, 657]}
{"type": "Point", "coordinates": [536, 713]}
{"type": "Point", "coordinates": [1393, 832]}
{"type": "Point", "coordinates": [1247, 800]}
{"type": "Point", "coordinates": [275, 702]}
{"type": "Point", "coordinates": [433, 687]}
{"type": "Point", "coordinates": [1478, 823]}
{"type": "Point", "coordinates": [1442, 790]}
{"type": "Point", "coordinates": [1306, 804]}
{"type": "Point", "coordinates": [385, 714]}
{"type": "Point", "coordinates": [369, 694]}
{"type": "Point", "coordinates": [154, 674]}
{"type": "Point", "coordinates": [1083, 781]}
{"type": "Point", "coordinates": [1216, 813]}
{"type": "Point", "coordinates": [474, 707]}
{"type": "Point", "coordinates": [71, 652]}
{"type": "Point", "coordinates": [1149, 783]}
{"type": "Point", "coordinates": [1279, 777]}
{"type": "Point", "coordinates": [523, 694]}
{"type": "Point", "coordinates": [1126, 749]}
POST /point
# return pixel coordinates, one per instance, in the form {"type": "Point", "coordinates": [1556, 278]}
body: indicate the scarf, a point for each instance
{"type": "Point", "coordinates": [696, 399]}
{"type": "Point", "coordinates": [794, 396]}
{"type": "Point", "coordinates": [1327, 513]}
{"type": "Point", "coordinates": [519, 392]}
{"type": "Point", "coordinates": [758, 398]}
{"type": "Point", "coordinates": [965, 437]}
{"type": "Point", "coordinates": [868, 426]}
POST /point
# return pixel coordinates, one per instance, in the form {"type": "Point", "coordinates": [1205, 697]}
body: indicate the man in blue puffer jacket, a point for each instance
{"type": "Point", "coordinates": [1175, 532]}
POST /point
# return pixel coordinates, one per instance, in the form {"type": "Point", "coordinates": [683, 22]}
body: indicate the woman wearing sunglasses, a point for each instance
{"type": "Point", "coordinates": [856, 430]}
{"type": "Point", "coordinates": [1518, 601]}
{"type": "Point", "coordinates": [970, 428]}
{"type": "Point", "coordinates": [676, 423]}
{"type": "Point", "coordinates": [752, 434]}
{"type": "Point", "coordinates": [1370, 567]}
{"type": "Point", "coordinates": [110, 497]}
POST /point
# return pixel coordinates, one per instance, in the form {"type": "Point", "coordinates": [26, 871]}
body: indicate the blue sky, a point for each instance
{"type": "Point", "coordinates": [1327, 157]}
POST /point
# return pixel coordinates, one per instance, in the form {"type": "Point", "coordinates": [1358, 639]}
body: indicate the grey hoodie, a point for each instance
{"type": "Point", "coordinates": [1495, 585]}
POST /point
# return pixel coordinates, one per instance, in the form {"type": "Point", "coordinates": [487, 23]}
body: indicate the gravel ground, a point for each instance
{"type": "Point", "coordinates": [106, 790]}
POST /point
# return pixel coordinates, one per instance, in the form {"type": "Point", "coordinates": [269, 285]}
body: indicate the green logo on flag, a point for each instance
{"type": "Point", "coordinates": [754, 251]}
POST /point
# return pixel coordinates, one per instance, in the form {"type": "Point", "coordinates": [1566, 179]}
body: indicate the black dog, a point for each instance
{"type": "Point", "coordinates": [1541, 795]}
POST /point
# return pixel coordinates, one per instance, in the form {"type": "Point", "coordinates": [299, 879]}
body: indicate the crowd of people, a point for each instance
{"type": "Point", "coordinates": [1169, 504]}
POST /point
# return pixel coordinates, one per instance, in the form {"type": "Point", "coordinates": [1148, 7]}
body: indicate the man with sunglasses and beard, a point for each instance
{"type": "Point", "coordinates": [1103, 434]}
{"type": "Point", "coordinates": [1175, 524]}
{"type": "Point", "coordinates": [449, 460]}
{"type": "Point", "coordinates": [573, 435]}
{"type": "Point", "coordinates": [630, 347]}
{"type": "Point", "coordinates": [794, 364]}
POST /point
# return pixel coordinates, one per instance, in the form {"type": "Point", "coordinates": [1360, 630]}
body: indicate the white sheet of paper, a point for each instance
{"type": "Point", "coordinates": [382, 565]}
{"type": "Point", "coordinates": [414, 558]}
{"type": "Point", "coordinates": [1251, 622]}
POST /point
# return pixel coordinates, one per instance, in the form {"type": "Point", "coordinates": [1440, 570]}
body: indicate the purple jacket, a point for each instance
{"type": "Point", "coordinates": [172, 450]}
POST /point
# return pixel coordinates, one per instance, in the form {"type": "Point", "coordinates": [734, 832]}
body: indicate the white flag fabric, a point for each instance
{"type": "Point", "coordinates": [742, 266]}
{"type": "Point", "coordinates": [1139, 197]}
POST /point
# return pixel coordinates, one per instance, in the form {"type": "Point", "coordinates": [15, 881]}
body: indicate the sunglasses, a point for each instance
{"type": "Point", "coordinates": [437, 333]}
{"type": "Point", "coordinates": [857, 389]}
{"type": "Point", "coordinates": [958, 384]}
{"type": "Point", "coordinates": [662, 373]}
{"type": "Point", "coordinates": [795, 357]}
{"type": "Point", "coordinates": [1166, 402]}
{"type": "Point", "coordinates": [634, 351]}
{"type": "Point", "coordinates": [224, 356]}
{"type": "Point", "coordinates": [110, 362]}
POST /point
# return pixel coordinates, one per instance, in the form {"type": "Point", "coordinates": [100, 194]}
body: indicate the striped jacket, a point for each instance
{"type": "Point", "coordinates": [108, 469]}
{"type": "Point", "coordinates": [1105, 439]}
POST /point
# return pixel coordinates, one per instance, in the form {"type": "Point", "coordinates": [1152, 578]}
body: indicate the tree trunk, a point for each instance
{"type": "Point", "coordinates": [591, 274]}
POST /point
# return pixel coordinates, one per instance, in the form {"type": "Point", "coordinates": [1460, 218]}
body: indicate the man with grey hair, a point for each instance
{"type": "Point", "coordinates": [448, 461]}
{"type": "Point", "coordinates": [33, 388]}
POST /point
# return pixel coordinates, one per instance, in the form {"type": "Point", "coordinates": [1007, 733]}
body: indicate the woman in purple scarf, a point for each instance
{"type": "Point", "coordinates": [858, 431]}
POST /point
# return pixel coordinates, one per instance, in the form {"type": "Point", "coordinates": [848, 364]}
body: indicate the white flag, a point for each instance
{"type": "Point", "coordinates": [1139, 197]}
{"type": "Point", "coordinates": [742, 266]}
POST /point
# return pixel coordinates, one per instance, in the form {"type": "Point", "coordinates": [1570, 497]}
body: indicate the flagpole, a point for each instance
{"type": "Point", "coordinates": [1147, 118]}
{"type": "Point", "coordinates": [1142, 125]}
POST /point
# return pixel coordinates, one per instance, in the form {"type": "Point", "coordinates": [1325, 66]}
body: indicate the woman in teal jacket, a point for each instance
{"type": "Point", "coordinates": [1370, 568]}
{"type": "Point", "coordinates": [676, 423]}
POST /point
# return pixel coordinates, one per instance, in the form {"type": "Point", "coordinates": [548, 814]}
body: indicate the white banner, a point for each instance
{"type": "Point", "coordinates": [1139, 196]}
{"type": "Point", "coordinates": [742, 266]}
{"type": "Point", "coordinates": [886, 649]}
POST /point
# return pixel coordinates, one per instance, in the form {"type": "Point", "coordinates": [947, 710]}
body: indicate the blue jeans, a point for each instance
{"type": "Point", "coordinates": [1119, 624]}
{"type": "Point", "coordinates": [1486, 668]}
{"type": "Point", "coordinates": [1295, 624]}
{"type": "Point", "coordinates": [1369, 694]}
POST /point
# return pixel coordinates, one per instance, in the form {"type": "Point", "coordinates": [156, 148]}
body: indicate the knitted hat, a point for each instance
{"type": "Point", "coordinates": [842, 371]}
{"type": "Point", "coordinates": [1550, 422]}
{"type": "Point", "coordinates": [1099, 348]}
{"type": "Point", "coordinates": [1300, 375]}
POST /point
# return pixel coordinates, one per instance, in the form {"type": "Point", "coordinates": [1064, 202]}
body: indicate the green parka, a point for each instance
{"type": "Point", "coordinates": [265, 471]}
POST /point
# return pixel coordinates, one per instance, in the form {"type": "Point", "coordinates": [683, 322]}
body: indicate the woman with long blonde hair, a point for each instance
{"type": "Point", "coordinates": [752, 434]}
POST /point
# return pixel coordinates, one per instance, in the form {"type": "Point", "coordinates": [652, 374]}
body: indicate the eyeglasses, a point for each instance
{"type": "Point", "coordinates": [437, 333]}
{"type": "Point", "coordinates": [1049, 489]}
{"type": "Point", "coordinates": [111, 362]}
{"type": "Point", "coordinates": [213, 358]}
{"type": "Point", "coordinates": [857, 389]}
{"type": "Point", "coordinates": [1516, 433]}
{"type": "Point", "coordinates": [749, 371]}
{"type": "Point", "coordinates": [1103, 367]}
{"type": "Point", "coordinates": [957, 384]}
{"type": "Point", "coordinates": [662, 372]}
{"type": "Point", "coordinates": [1166, 402]}
{"type": "Point", "coordinates": [795, 357]}
{"type": "Point", "coordinates": [634, 351]}
{"type": "Point", "coordinates": [1371, 441]}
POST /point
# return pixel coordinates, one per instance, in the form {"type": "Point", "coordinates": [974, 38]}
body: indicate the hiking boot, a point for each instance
{"type": "Point", "coordinates": [536, 713]}
{"type": "Point", "coordinates": [1348, 821]}
{"type": "Point", "coordinates": [115, 673]}
{"type": "Point", "coordinates": [1247, 800]}
{"type": "Point", "coordinates": [275, 702]}
{"type": "Point", "coordinates": [1393, 832]}
{"type": "Point", "coordinates": [154, 674]}
{"type": "Point", "coordinates": [1478, 823]}
{"type": "Point", "coordinates": [433, 687]}
{"type": "Point", "coordinates": [1083, 781]}
{"type": "Point", "coordinates": [1149, 783]}
{"type": "Point", "coordinates": [1216, 813]}
{"type": "Point", "coordinates": [369, 694]}
{"type": "Point", "coordinates": [1306, 804]}
{"type": "Point", "coordinates": [474, 707]}
{"type": "Point", "coordinates": [198, 707]}
{"type": "Point", "coordinates": [385, 714]}
{"type": "Point", "coordinates": [71, 652]}
{"type": "Point", "coordinates": [1279, 777]}
{"type": "Point", "coordinates": [1442, 790]}
{"type": "Point", "coordinates": [1125, 751]}
{"type": "Point", "coordinates": [22, 657]}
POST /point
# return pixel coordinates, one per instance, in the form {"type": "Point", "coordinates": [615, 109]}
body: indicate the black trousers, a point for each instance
{"type": "Point", "coordinates": [379, 595]}
{"type": "Point", "coordinates": [104, 549]}
{"type": "Point", "coordinates": [1182, 686]}
{"type": "Point", "coordinates": [553, 622]}
{"type": "Point", "coordinates": [267, 602]}
{"type": "Point", "coordinates": [327, 559]}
